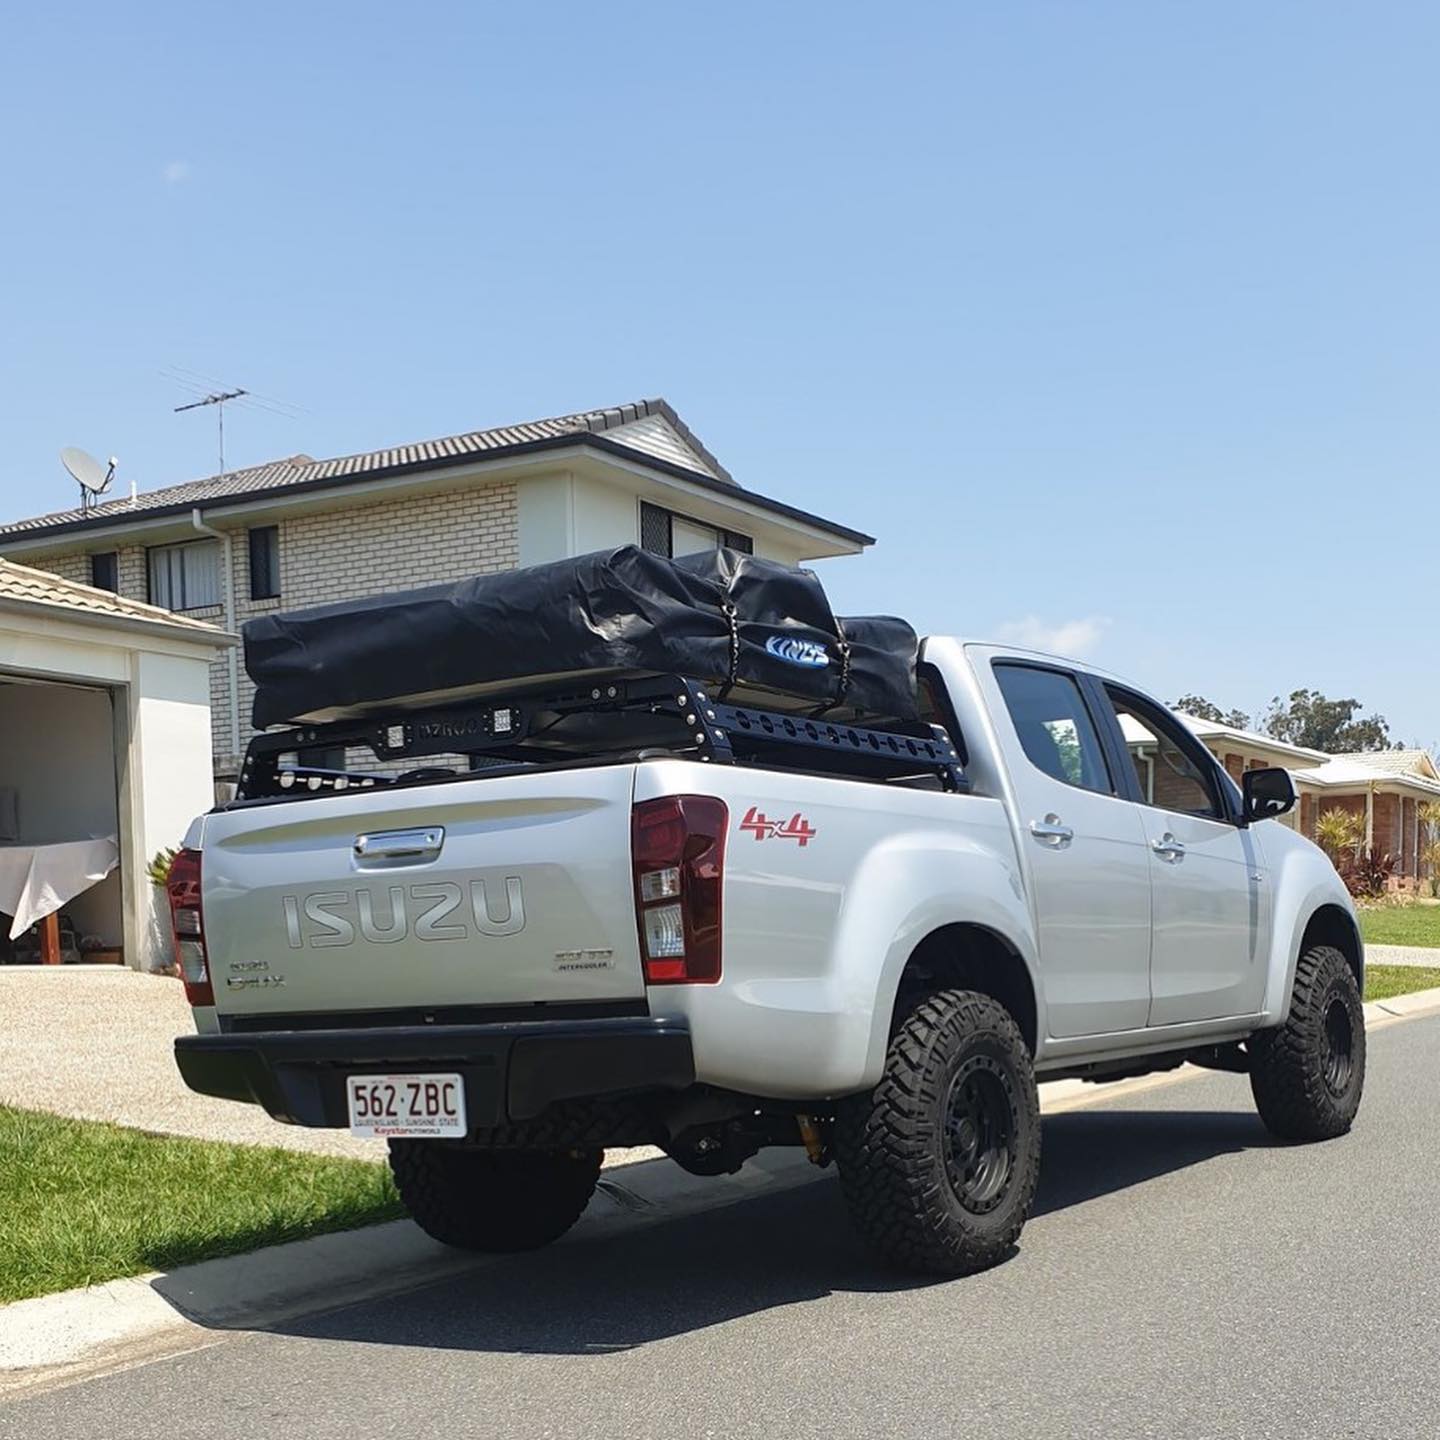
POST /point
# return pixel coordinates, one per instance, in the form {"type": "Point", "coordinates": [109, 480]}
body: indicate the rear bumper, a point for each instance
{"type": "Point", "coordinates": [512, 1072]}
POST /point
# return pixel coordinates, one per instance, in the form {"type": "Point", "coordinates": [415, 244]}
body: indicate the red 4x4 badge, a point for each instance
{"type": "Point", "coordinates": [796, 828]}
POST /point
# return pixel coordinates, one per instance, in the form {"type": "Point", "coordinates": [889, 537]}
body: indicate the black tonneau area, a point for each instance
{"type": "Point", "coordinates": [758, 630]}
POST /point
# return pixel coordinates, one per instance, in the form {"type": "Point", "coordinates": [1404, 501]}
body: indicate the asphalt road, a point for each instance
{"type": "Point", "coordinates": [1182, 1276]}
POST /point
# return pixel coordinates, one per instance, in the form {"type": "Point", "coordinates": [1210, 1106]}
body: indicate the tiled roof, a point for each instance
{"type": "Point", "coordinates": [303, 470]}
{"type": "Point", "coordinates": [20, 584]}
{"type": "Point", "coordinates": [1353, 772]}
{"type": "Point", "coordinates": [1213, 729]}
{"type": "Point", "coordinates": [270, 476]}
{"type": "Point", "coordinates": [1399, 762]}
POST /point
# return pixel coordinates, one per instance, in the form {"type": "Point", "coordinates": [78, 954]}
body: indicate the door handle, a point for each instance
{"type": "Point", "coordinates": [1167, 847]}
{"type": "Point", "coordinates": [1052, 831]}
{"type": "Point", "coordinates": [395, 846]}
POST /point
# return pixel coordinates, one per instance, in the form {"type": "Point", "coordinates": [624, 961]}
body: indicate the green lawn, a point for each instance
{"type": "Point", "coordinates": [1383, 981]}
{"type": "Point", "coordinates": [82, 1202]}
{"type": "Point", "coordinates": [1401, 925]}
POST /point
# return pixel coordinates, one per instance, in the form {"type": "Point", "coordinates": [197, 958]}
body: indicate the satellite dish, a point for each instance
{"type": "Point", "coordinates": [93, 477]}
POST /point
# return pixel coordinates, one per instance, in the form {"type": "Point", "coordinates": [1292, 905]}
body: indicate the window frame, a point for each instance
{"type": "Point", "coordinates": [729, 539]}
{"type": "Point", "coordinates": [271, 537]}
{"type": "Point", "coordinates": [113, 557]}
{"type": "Point", "coordinates": [151, 551]}
{"type": "Point", "coordinates": [1153, 713]}
{"type": "Point", "coordinates": [1100, 726]}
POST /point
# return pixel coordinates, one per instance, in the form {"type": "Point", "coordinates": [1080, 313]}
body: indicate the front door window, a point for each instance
{"type": "Point", "coordinates": [1210, 888]}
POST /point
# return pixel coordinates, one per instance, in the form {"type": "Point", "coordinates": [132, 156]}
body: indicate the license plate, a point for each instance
{"type": "Point", "coordinates": [431, 1106]}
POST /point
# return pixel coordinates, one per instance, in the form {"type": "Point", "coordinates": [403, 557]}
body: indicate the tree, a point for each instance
{"type": "Point", "coordinates": [1203, 709]}
{"type": "Point", "coordinates": [1315, 721]}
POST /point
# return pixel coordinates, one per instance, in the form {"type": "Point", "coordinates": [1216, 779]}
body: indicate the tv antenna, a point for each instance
{"type": "Point", "coordinates": [90, 474]}
{"type": "Point", "coordinates": [216, 398]}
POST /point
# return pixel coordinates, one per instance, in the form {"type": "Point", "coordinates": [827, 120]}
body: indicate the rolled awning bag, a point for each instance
{"type": "Point", "coordinates": [757, 626]}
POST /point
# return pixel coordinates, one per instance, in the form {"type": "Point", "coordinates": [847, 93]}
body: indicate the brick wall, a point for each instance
{"type": "Point", "coordinates": [1385, 837]}
{"type": "Point", "coordinates": [337, 554]}
{"type": "Point", "coordinates": [1307, 814]}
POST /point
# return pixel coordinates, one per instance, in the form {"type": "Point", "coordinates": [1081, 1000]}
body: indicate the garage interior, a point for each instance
{"type": "Point", "coordinates": [59, 784]}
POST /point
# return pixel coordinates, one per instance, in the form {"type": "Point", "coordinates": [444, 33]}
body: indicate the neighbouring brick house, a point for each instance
{"type": "Point", "coordinates": [1385, 788]}
{"type": "Point", "coordinates": [299, 531]}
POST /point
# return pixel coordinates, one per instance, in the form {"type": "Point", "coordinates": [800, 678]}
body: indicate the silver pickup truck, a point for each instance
{"type": "Point", "coordinates": [761, 931]}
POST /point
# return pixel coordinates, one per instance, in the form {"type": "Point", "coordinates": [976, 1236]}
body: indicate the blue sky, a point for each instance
{"type": "Point", "coordinates": [1116, 323]}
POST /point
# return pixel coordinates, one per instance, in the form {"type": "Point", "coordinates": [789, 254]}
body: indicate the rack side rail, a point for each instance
{"type": "Point", "coordinates": [531, 727]}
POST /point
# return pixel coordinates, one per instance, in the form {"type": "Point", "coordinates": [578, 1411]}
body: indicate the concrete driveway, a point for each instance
{"type": "Point", "coordinates": [95, 1042]}
{"type": "Point", "coordinates": [1182, 1275]}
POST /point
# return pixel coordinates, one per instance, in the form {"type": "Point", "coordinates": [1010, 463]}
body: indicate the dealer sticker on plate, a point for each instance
{"type": "Point", "coordinates": [432, 1106]}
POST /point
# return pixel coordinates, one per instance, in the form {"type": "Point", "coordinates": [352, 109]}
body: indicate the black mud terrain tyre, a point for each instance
{"type": "Point", "coordinates": [1307, 1075]}
{"type": "Point", "coordinates": [939, 1163]}
{"type": "Point", "coordinates": [498, 1201]}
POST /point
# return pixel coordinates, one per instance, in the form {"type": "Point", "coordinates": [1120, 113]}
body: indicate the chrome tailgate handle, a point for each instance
{"type": "Point", "coordinates": [397, 846]}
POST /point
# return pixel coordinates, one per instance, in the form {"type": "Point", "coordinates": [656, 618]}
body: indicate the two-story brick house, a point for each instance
{"type": "Point", "coordinates": [300, 531]}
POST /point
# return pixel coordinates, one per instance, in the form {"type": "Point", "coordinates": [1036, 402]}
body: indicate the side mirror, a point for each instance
{"type": "Point", "coordinates": [1268, 793]}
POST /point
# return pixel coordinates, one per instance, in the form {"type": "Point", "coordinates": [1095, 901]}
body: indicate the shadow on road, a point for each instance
{"type": "Point", "coordinates": [612, 1293]}
{"type": "Point", "coordinates": [1090, 1153]}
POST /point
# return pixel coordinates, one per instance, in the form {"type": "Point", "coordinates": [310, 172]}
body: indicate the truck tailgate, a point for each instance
{"type": "Point", "coordinates": [511, 889]}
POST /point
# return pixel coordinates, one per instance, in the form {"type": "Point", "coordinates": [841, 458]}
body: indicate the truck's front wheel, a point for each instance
{"type": "Point", "coordinates": [940, 1161]}
{"type": "Point", "coordinates": [493, 1200]}
{"type": "Point", "coordinates": [1307, 1076]}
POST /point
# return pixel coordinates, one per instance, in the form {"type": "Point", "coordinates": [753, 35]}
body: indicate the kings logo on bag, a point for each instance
{"type": "Point", "coordinates": [798, 652]}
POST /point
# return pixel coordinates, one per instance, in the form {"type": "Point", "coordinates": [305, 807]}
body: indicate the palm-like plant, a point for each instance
{"type": "Point", "coordinates": [1339, 833]}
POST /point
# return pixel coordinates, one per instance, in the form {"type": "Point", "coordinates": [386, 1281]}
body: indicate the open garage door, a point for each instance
{"type": "Point", "coordinates": [61, 890]}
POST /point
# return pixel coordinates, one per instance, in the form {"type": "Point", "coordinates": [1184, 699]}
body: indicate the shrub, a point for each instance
{"type": "Point", "coordinates": [1339, 834]}
{"type": "Point", "coordinates": [1365, 875]}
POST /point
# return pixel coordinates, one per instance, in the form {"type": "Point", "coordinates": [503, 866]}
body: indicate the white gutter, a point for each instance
{"type": "Point", "coordinates": [227, 538]}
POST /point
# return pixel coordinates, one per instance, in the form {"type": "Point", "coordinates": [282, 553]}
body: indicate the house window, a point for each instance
{"type": "Point", "coordinates": [265, 562]}
{"type": "Point", "coordinates": [105, 571]}
{"type": "Point", "coordinates": [654, 529]}
{"type": "Point", "coordinates": [185, 577]}
{"type": "Point", "coordinates": [664, 533]}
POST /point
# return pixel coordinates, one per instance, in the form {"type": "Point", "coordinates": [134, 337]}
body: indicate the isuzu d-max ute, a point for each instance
{"type": "Point", "coordinates": [653, 916]}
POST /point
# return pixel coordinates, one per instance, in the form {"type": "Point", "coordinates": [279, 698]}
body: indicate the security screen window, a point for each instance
{"type": "Point", "coordinates": [105, 571]}
{"type": "Point", "coordinates": [663, 532]}
{"type": "Point", "coordinates": [265, 562]}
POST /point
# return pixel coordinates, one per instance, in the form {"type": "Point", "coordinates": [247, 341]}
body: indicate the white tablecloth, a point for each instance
{"type": "Point", "coordinates": [36, 880]}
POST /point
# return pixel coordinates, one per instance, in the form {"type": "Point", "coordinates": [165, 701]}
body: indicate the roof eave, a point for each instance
{"type": "Point", "coordinates": [34, 539]}
{"type": "Point", "coordinates": [73, 614]}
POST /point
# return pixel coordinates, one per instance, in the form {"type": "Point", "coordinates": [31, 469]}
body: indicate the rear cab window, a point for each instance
{"type": "Point", "coordinates": [1054, 725]}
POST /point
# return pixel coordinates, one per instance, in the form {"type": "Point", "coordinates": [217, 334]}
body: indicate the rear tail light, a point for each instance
{"type": "Point", "coordinates": [677, 846]}
{"type": "Point", "coordinates": [188, 923]}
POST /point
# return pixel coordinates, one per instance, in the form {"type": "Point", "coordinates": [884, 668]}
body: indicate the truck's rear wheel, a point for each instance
{"type": "Point", "coordinates": [1307, 1076]}
{"type": "Point", "coordinates": [939, 1162]}
{"type": "Point", "coordinates": [493, 1200]}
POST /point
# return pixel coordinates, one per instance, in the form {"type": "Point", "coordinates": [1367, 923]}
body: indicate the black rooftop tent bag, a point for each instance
{"type": "Point", "coordinates": [756, 628]}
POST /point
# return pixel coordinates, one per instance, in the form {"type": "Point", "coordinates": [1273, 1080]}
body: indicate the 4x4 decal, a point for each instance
{"type": "Point", "coordinates": [796, 828]}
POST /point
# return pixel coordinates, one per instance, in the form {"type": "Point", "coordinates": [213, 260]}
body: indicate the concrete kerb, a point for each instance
{"type": "Point", "coordinates": [59, 1339]}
